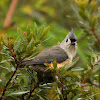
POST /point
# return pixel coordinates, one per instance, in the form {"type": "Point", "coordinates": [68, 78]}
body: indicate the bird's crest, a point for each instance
{"type": "Point", "coordinates": [71, 35]}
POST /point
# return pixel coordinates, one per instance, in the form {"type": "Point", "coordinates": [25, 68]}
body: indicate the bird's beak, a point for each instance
{"type": "Point", "coordinates": [72, 43]}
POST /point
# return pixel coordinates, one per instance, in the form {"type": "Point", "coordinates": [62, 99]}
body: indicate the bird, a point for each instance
{"type": "Point", "coordinates": [63, 52]}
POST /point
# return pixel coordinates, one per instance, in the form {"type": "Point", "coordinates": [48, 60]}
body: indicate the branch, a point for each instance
{"type": "Point", "coordinates": [32, 91]}
{"type": "Point", "coordinates": [5, 88]}
{"type": "Point", "coordinates": [95, 35]}
{"type": "Point", "coordinates": [62, 90]}
{"type": "Point", "coordinates": [62, 85]}
{"type": "Point", "coordinates": [14, 80]}
{"type": "Point", "coordinates": [10, 13]}
{"type": "Point", "coordinates": [8, 83]}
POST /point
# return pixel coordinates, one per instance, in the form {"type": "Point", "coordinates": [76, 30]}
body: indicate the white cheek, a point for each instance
{"type": "Point", "coordinates": [69, 42]}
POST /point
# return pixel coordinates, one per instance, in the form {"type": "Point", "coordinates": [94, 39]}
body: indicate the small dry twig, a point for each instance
{"type": "Point", "coordinates": [9, 15]}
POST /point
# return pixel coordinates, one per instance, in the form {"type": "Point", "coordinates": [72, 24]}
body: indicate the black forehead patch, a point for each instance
{"type": "Point", "coordinates": [73, 40]}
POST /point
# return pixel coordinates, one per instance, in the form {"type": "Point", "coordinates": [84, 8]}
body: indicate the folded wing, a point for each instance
{"type": "Point", "coordinates": [47, 55]}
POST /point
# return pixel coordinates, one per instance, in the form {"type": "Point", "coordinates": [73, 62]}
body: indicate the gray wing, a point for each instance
{"type": "Point", "coordinates": [47, 55]}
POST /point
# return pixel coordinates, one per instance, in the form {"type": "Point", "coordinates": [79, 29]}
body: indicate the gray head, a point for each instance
{"type": "Point", "coordinates": [70, 42]}
{"type": "Point", "coordinates": [71, 35]}
{"type": "Point", "coordinates": [70, 38]}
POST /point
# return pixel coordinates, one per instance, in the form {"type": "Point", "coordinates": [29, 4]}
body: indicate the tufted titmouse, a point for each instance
{"type": "Point", "coordinates": [63, 52]}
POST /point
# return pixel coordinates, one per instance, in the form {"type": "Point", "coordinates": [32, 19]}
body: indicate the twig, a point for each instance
{"type": "Point", "coordinates": [14, 80]}
{"type": "Point", "coordinates": [14, 56]}
{"type": "Point", "coordinates": [62, 90]}
{"type": "Point", "coordinates": [10, 13]}
{"type": "Point", "coordinates": [24, 58]}
{"type": "Point", "coordinates": [94, 34]}
{"type": "Point", "coordinates": [37, 85]}
{"type": "Point", "coordinates": [3, 93]}
{"type": "Point", "coordinates": [32, 91]}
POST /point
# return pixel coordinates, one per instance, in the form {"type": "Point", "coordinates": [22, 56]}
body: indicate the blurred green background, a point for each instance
{"type": "Point", "coordinates": [60, 15]}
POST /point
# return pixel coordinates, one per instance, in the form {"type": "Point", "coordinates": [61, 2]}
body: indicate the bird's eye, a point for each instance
{"type": "Point", "coordinates": [67, 40]}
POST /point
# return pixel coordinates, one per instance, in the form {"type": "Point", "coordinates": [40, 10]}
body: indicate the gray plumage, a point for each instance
{"type": "Point", "coordinates": [65, 50]}
{"type": "Point", "coordinates": [64, 53]}
{"type": "Point", "coordinates": [47, 55]}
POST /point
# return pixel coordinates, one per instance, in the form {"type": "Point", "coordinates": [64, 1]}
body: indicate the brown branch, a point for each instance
{"type": "Point", "coordinates": [62, 90]}
{"type": "Point", "coordinates": [3, 93]}
{"type": "Point", "coordinates": [31, 91]}
{"type": "Point", "coordinates": [95, 35]}
{"type": "Point", "coordinates": [11, 10]}
{"type": "Point", "coordinates": [62, 84]}
{"type": "Point", "coordinates": [5, 88]}
{"type": "Point", "coordinates": [36, 86]}
{"type": "Point", "coordinates": [14, 80]}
